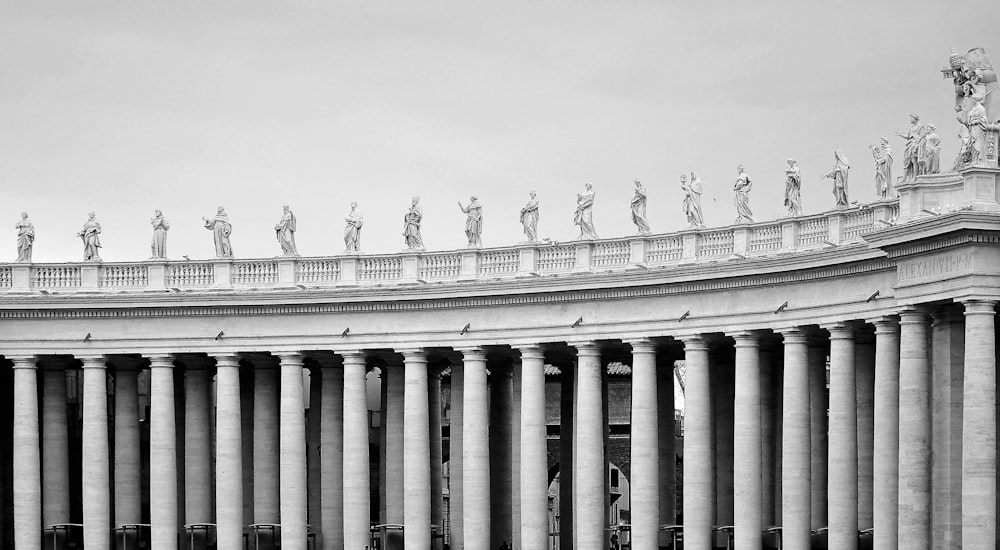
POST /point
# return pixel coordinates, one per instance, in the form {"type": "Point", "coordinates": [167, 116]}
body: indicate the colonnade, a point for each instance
{"type": "Point", "coordinates": [867, 464]}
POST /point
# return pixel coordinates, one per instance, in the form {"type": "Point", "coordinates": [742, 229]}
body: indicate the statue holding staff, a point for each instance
{"type": "Point", "coordinates": [160, 227]}
{"type": "Point", "coordinates": [90, 235]}
{"type": "Point", "coordinates": [639, 208]}
{"type": "Point", "coordinates": [883, 169]}
{"type": "Point", "coordinates": [692, 200]}
{"type": "Point", "coordinates": [352, 231]}
{"type": "Point", "coordinates": [285, 231]}
{"type": "Point", "coordinates": [839, 177]}
{"type": "Point", "coordinates": [584, 215]}
{"type": "Point", "coordinates": [529, 218]}
{"type": "Point", "coordinates": [25, 238]}
{"type": "Point", "coordinates": [221, 229]}
{"type": "Point", "coordinates": [913, 154]}
{"type": "Point", "coordinates": [473, 222]}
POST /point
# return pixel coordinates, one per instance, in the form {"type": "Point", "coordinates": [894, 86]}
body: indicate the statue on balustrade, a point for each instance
{"type": "Point", "coordinates": [839, 177]}
{"type": "Point", "coordinates": [473, 222]}
{"type": "Point", "coordinates": [352, 232]}
{"type": "Point", "coordinates": [793, 189]}
{"type": "Point", "coordinates": [639, 209]}
{"type": "Point", "coordinates": [932, 150]}
{"type": "Point", "coordinates": [160, 227]}
{"type": "Point", "coordinates": [741, 199]}
{"type": "Point", "coordinates": [584, 215]}
{"type": "Point", "coordinates": [285, 231]}
{"type": "Point", "coordinates": [221, 229]}
{"type": "Point", "coordinates": [529, 218]}
{"type": "Point", "coordinates": [883, 169]}
{"type": "Point", "coordinates": [692, 200]}
{"type": "Point", "coordinates": [978, 125]}
{"type": "Point", "coordinates": [914, 151]}
{"type": "Point", "coordinates": [411, 225]}
{"type": "Point", "coordinates": [25, 238]}
{"type": "Point", "coordinates": [90, 235]}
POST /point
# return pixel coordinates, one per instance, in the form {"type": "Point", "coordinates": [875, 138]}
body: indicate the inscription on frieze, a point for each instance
{"type": "Point", "coordinates": [936, 267]}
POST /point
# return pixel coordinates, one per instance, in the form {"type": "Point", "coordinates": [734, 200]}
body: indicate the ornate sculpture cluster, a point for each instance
{"type": "Point", "coordinates": [975, 105]}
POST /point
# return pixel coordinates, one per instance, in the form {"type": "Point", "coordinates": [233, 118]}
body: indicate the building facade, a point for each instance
{"type": "Point", "coordinates": [898, 298]}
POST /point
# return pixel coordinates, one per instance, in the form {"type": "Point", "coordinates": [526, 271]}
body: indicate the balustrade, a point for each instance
{"type": "Point", "coordinates": [556, 258]}
{"type": "Point", "coordinates": [499, 262]}
{"type": "Point", "coordinates": [611, 254]}
{"type": "Point", "coordinates": [317, 271]}
{"type": "Point", "coordinates": [255, 273]}
{"type": "Point", "coordinates": [124, 276]}
{"type": "Point", "coordinates": [380, 269]}
{"type": "Point", "coordinates": [190, 274]}
{"type": "Point", "coordinates": [440, 266]}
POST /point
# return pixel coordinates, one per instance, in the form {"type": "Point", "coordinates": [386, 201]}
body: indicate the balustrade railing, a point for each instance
{"type": "Point", "coordinates": [741, 241]}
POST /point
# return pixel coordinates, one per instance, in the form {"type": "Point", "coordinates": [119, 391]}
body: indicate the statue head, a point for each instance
{"type": "Point", "coordinates": [588, 186]}
{"type": "Point", "coordinates": [838, 155]}
{"type": "Point", "coordinates": [158, 213]}
{"type": "Point", "coordinates": [956, 61]}
{"type": "Point", "coordinates": [931, 126]}
{"type": "Point", "coordinates": [473, 198]}
{"type": "Point", "coordinates": [531, 194]}
{"type": "Point", "coordinates": [914, 118]}
{"type": "Point", "coordinates": [91, 215]}
{"type": "Point", "coordinates": [977, 97]}
{"type": "Point", "coordinates": [791, 162]}
{"type": "Point", "coordinates": [285, 208]}
{"type": "Point", "coordinates": [354, 205]}
{"type": "Point", "coordinates": [415, 200]}
{"type": "Point", "coordinates": [739, 169]}
{"type": "Point", "coordinates": [636, 182]}
{"type": "Point", "coordinates": [221, 210]}
{"type": "Point", "coordinates": [24, 215]}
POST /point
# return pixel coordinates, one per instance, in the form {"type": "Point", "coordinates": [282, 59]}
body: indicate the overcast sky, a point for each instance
{"type": "Point", "coordinates": [125, 107]}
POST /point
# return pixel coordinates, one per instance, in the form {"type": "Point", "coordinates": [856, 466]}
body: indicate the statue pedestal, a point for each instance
{"type": "Point", "coordinates": [976, 188]}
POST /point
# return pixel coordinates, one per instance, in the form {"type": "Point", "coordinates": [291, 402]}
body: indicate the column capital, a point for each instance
{"type": "Point", "coordinates": [909, 315]}
{"type": "Point", "coordinates": [695, 342]}
{"type": "Point", "coordinates": [160, 361]}
{"type": "Point", "coordinates": [24, 361]}
{"type": "Point", "coordinates": [842, 331]}
{"type": "Point", "coordinates": [530, 351]}
{"type": "Point", "coordinates": [747, 338]}
{"type": "Point", "coordinates": [93, 361]}
{"type": "Point", "coordinates": [290, 358]}
{"type": "Point", "coordinates": [474, 353]}
{"type": "Point", "coordinates": [641, 345]}
{"type": "Point", "coordinates": [353, 356]}
{"type": "Point", "coordinates": [413, 355]}
{"type": "Point", "coordinates": [887, 324]}
{"type": "Point", "coordinates": [586, 348]}
{"type": "Point", "coordinates": [226, 360]}
{"type": "Point", "coordinates": [977, 306]}
{"type": "Point", "coordinates": [794, 335]}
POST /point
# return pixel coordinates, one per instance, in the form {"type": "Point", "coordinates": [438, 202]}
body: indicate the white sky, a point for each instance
{"type": "Point", "coordinates": [133, 106]}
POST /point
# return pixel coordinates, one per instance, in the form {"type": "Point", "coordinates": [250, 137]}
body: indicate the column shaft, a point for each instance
{"type": "Point", "coordinates": [394, 419]}
{"type": "Point", "coordinates": [843, 477]}
{"type": "Point", "coordinates": [228, 454]}
{"type": "Point", "coordinates": [128, 461]}
{"type": "Point", "coordinates": [357, 498]}
{"type": "Point", "coordinates": [864, 351]}
{"type": "Point", "coordinates": [666, 443]}
{"type": "Point", "coordinates": [818, 434]}
{"type": "Point", "coordinates": [27, 485]}
{"type": "Point", "coordinates": [534, 471]}
{"type": "Point", "coordinates": [55, 446]}
{"type": "Point", "coordinates": [747, 445]}
{"type": "Point", "coordinates": [96, 474]}
{"type": "Point", "coordinates": [914, 433]}
{"type": "Point", "coordinates": [294, 505]}
{"type": "Point", "coordinates": [475, 451]}
{"type": "Point", "coordinates": [979, 429]}
{"type": "Point", "coordinates": [162, 455]}
{"type": "Point", "coordinates": [501, 456]}
{"type": "Point", "coordinates": [266, 445]}
{"type": "Point", "coordinates": [434, 429]}
{"type": "Point", "coordinates": [416, 454]}
{"type": "Point", "coordinates": [334, 470]}
{"type": "Point", "coordinates": [198, 484]}
{"type": "Point", "coordinates": [796, 510]}
{"type": "Point", "coordinates": [699, 486]}
{"type": "Point", "coordinates": [885, 511]}
{"type": "Point", "coordinates": [591, 466]}
{"type": "Point", "coordinates": [645, 497]}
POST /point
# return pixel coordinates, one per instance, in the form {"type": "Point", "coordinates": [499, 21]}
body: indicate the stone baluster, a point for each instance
{"type": "Point", "coordinates": [162, 454]}
{"type": "Point", "coordinates": [27, 484]}
{"type": "Point", "coordinates": [979, 427]}
{"type": "Point", "coordinates": [96, 464]}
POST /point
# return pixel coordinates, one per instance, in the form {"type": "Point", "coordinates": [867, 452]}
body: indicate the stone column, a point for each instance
{"type": "Point", "coordinates": [864, 360]}
{"type": "Point", "coordinates": [475, 451]}
{"type": "Point", "coordinates": [667, 443]}
{"type": "Point", "coordinates": [55, 443]}
{"type": "Point", "coordinates": [818, 434]}
{"type": "Point", "coordinates": [796, 510]}
{"type": "Point", "coordinates": [534, 470]}
{"type": "Point", "coordinates": [162, 454]}
{"type": "Point", "coordinates": [228, 453]}
{"type": "Point", "coordinates": [455, 469]}
{"type": "Point", "coordinates": [128, 462]}
{"type": "Point", "coordinates": [96, 474]}
{"type": "Point", "coordinates": [314, 465]}
{"type": "Point", "coordinates": [357, 498]}
{"type": "Point", "coordinates": [645, 483]}
{"type": "Point", "coordinates": [501, 456]}
{"type": "Point", "coordinates": [885, 511]}
{"type": "Point", "coordinates": [699, 486]}
{"type": "Point", "coordinates": [333, 441]}
{"type": "Point", "coordinates": [434, 429]}
{"type": "Point", "coordinates": [198, 461]}
{"type": "Point", "coordinates": [266, 441]}
{"type": "Point", "coordinates": [591, 466]}
{"type": "Point", "coordinates": [842, 503]}
{"type": "Point", "coordinates": [393, 416]}
{"type": "Point", "coordinates": [769, 472]}
{"type": "Point", "coordinates": [979, 427]}
{"type": "Point", "coordinates": [914, 432]}
{"type": "Point", "coordinates": [292, 463]}
{"type": "Point", "coordinates": [947, 349]}
{"type": "Point", "coordinates": [747, 444]}
{"type": "Point", "coordinates": [416, 453]}
{"type": "Point", "coordinates": [27, 489]}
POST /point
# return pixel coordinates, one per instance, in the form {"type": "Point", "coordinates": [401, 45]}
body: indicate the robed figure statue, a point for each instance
{"type": "Point", "coordinates": [285, 231]}
{"type": "Point", "coordinates": [352, 231]}
{"type": "Point", "coordinates": [839, 177]}
{"type": "Point", "coordinates": [529, 218]}
{"type": "Point", "coordinates": [793, 189]}
{"type": "Point", "coordinates": [90, 235]}
{"type": "Point", "coordinates": [160, 227]}
{"type": "Point", "coordinates": [584, 215]}
{"type": "Point", "coordinates": [692, 200]}
{"type": "Point", "coordinates": [221, 229]}
{"type": "Point", "coordinates": [25, 238]}
{"type": "Point", "coordinates": [411, 225]}
{"type": "Point", "coordinates": [741, 198]}
{"type": "Point", "coordinates": [639, 209]}
{"type": "Point", "coordinates": [473, 222]}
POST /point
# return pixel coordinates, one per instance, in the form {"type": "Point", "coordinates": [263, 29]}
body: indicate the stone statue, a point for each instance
{"type": "Point", "coordinates": [352, 232]}
{"type": "Point", "coordinates": [742, 197]}
{"type": "Point", "coordinates": [90, 235]}
{"type": "Point", "coordinates": [639, 208]}
{"type": "Point", "coordinates": [914, 151]}
{"type": "Point", "coordinates": [221, 229]}
{"type": "Point", "coordinates": [25, 238]}
{"type": "Point", "coordinates": [972, 74]}
{"type": "Point", "coordinates": [978, 125]}
{"type": "Point", "coordinates": [692, 200]}
{"type": "Point", "coordinates": [160, 227]}
{"type": "Point", "coordinates": [839, 177]}
{"type": "Point", "coordinates": [883, 169]}
{"type": "Point", "coordinates": [793, 189]}
{"type": "Point", "coordinates": [285, 231]}
{"type": "Point", "coordinates": [584, 215]}
{"type": "Point", "coordinates": [473, 222]}
{"type": "Point", "coordinates": [932, 150]}
{"type": "Point", "coordinates": [529, 218]}
{"type": "Point", "coordinates": [411, 225]}
{"type": "Point", "coordinates": [964, 157]}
